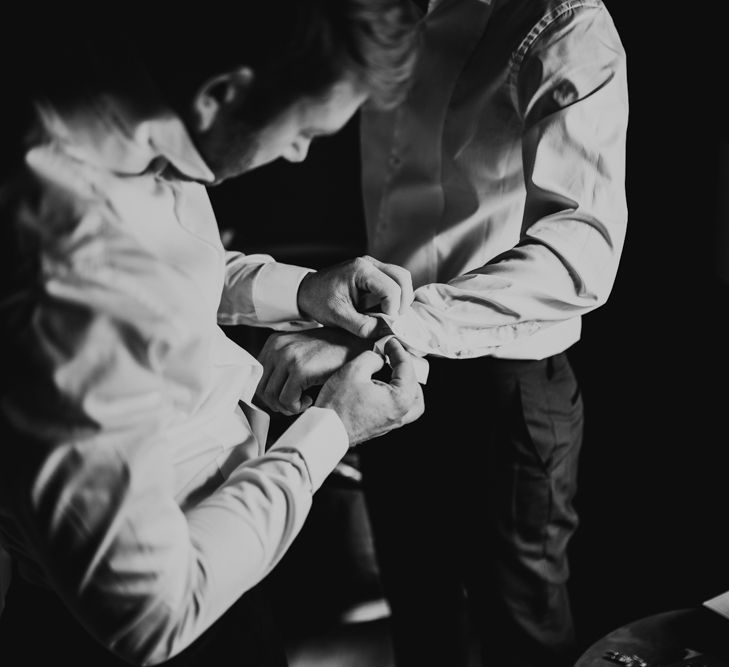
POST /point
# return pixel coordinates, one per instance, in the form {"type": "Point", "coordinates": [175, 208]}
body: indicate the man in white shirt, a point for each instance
{"type": "Point", "coordinates": [135, 482]}
{"type": "Point", "coordinates": [499, 184]}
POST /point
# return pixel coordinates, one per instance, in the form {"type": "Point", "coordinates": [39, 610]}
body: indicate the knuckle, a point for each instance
{"type": "Point", "coordinates": [337, 302]}
{"type": "Point", "coordinates": [294, 384]}
{"type": "Point", "coordinates": [283, 356]}
{"type": "Point", "coordinates": [408, 399]}
{"type": "Point", "coordinates": [361, 330]}
{"type": "Point", "coordinates": [269, 396]}
{"type": "Point", "coordinates": [419, 407]}
{"type": "Point", "coordinates": [401, 402]}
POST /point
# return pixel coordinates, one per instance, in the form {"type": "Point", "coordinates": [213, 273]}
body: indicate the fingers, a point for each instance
{"type": "Point", "coordinates": [265, 359]}
{"type": "Point", "coordinates": [337, 295]}
{"type": "Point", "coordinates": [284, 392]}
{"type": "Point", "coordinates": [403, 279]}
{"type": "Point", "coordinates": [292, 398]}
{"type": "Point", "coordinates": [359, 324]}
{"type": "Point", "coordinates": [403, 369]}
{"type": "Point", "coordinates": [384, 288]}
{"type": "Point", "coordinates": [272, 390]}
{"type": "Point", "coordinates": [405, 381]}
{"type": "Point", "coordinates": [365, 365]}
{"type": "Point", "coordinates": [277, 379]}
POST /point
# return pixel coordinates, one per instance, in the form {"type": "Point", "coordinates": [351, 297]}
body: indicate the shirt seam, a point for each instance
{"type": "Point", "coordinates": [519, 54]}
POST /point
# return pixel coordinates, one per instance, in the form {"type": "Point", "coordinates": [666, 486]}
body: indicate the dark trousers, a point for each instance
{"type": "Point", "coordinates": [471, 511]}
{"type": "Point", "coordinates": [36, 630]}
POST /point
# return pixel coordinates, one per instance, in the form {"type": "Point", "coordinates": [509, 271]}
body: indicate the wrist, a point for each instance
{"type": "Point", "coordinates": [303, 294]}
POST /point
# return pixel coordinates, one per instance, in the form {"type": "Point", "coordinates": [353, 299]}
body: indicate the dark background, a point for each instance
{"type": "Point", "coordinates": [653, 362]}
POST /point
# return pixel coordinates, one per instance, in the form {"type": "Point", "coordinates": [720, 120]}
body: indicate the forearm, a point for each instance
{"type": "Point", "coordinates": [146, 578]}
{"type": "Point", "coordinates": [528, 289]}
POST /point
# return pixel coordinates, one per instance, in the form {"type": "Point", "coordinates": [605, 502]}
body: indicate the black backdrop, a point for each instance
{"type": "Point", "coordinates": [653, 362]}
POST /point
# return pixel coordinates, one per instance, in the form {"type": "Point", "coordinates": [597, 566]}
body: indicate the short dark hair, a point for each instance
{"type": "Point", "coordinates": [297, 48]}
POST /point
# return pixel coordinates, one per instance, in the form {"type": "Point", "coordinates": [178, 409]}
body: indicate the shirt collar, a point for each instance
{"type": "Point", "coordinates": [126, 133]}
{"type": "Point", "coordinates": [168, 136]}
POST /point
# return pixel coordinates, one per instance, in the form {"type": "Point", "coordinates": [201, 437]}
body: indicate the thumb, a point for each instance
{"type": "Point", "coordinates": [403, 370]}
{"type": "Point", "coordinates": [360, 325]}
{"type": "Point", "coordinates": [372, 280]}
{"type": "Point", "coordinates": [365, 365]}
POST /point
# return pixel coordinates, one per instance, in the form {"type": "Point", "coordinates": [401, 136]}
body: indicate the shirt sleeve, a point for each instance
{"type": "Point", "coordinates": [261, 292]}
{"type": "Point", "coordinates": [145, 577]}
{"type": "Point", "coordinates": [98, 366]}
{"type": "Point", "coordinates": [570, 93]}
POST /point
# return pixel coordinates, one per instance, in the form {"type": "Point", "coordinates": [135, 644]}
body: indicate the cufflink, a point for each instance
{"type": "Point", "coordinates": [624, 659]}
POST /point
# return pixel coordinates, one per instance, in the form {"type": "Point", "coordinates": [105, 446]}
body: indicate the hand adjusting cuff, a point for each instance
{"type": "Point", "coordinates": [421, 364]}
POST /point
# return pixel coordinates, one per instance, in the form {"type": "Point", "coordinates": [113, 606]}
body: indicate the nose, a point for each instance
{"type": "Point", "coordinates": [298, 150]}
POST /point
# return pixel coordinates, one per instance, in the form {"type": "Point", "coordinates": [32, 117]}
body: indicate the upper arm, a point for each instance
{"type": "Point", "coordinates": [571, 93]}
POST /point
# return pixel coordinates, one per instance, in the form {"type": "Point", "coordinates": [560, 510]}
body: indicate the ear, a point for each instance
{"type": "Point", "coordinates": [218, 92]}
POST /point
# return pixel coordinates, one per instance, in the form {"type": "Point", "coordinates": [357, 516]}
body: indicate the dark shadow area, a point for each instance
{"type": "Point", "coordinates": [653, 362]}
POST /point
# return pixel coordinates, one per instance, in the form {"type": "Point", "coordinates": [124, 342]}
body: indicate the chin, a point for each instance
{"type": "Point", "coordinates": [236, 158]}
{"type": "Point", "coordinates": [233, 171]}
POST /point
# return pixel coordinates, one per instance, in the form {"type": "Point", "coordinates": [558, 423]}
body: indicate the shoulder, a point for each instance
{"type": "Point", "coordinates": [573, 50]}
{"type": "Point", "coordinates": [565, 27]}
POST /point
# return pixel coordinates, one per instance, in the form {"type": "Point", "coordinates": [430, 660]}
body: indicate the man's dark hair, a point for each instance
{"type": "Point", "coordinates": [296, 48]}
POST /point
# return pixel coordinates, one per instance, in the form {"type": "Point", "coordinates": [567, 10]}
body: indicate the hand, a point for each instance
{"type": "Point", "coordinates": [369, 408]}
{"type": "Point", "coordinates": [293, 362]}
{"type": "Point", "coordinates": [337, 296]}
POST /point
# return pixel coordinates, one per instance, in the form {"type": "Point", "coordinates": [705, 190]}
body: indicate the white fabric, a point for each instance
{"type": "Point", "coordinates": [500, 182]}
{"type": "Point", "coordinates": [140, 487]}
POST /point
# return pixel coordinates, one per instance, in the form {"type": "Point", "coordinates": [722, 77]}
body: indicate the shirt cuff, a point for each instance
{"type": "Point", "coordinates": [275, 291]}
{"type": "Point", "coordinates": [421, 365]}
{"type": "Point", "coordinates": [321, 439]}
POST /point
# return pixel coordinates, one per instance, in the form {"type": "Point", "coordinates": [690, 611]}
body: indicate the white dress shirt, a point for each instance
{"type": "Point", "coordinates": [133, 478]}
{"type": "Point", "coordinates": [500, 181]}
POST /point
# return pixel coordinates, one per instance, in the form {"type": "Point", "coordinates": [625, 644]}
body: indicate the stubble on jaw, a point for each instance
{"type": "Point", "coordinates": [232, 154]}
